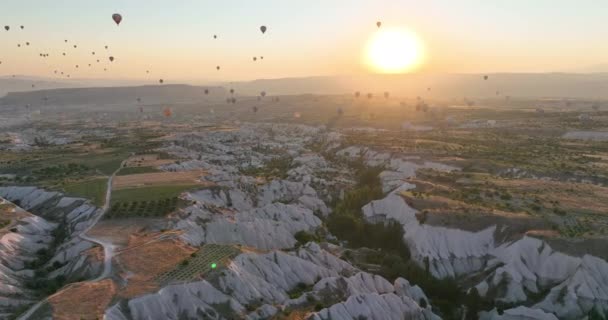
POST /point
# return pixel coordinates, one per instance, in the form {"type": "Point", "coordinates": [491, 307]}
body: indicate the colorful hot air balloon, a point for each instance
{"type": "Point", "coordinates": [263, 29]}
{"type": "Point", "coordinates": [378, 24]}
{"type": "Point", "coordinates": [111, 59]}
{"type": "Point", "coordinates": [117, 18]}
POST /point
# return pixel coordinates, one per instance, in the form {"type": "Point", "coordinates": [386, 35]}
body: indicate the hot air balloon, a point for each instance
{"type": "Point", "coordinates": [485, 77]}
{"type": "Point", "coordinates": [369, 95]}
{"type": "Point", "coordinates": [206, 91]}
{"type": "Point", "coordinates": [255, 109]}
{"type": "Point", "coordinates": [22, 27]}
{"type": "Point", "coordinates": [97, 60]}
{"type": "Point", "coordinates": [214, 36]}
{"type": "Point", "coordinates": [161, 81]}
{"type": "Point", "coordinates": [89, 64]}
{"type": "Point", "coordinates": [33, 86]}
{"type": "Point", "coordinates": [233, 100]}
{"type": "Point", "coordinates": [255, 58]}
{"type": "Point", "coordinates": [18, 45]}
{"type": "Point", "coordinates": [167, 112]}
{"type": "Point", "coordinates": [296, 115]}
{"type": "Point", "coordinates": [66, 41]}
{"type": "Point", "coordinates": [111, 59]}
{"type": "Point", "coordinates": [231, 91]}
{"type": "Point", "coordinates": [104, 69]}
{"type": "Point", "coordinates": [357, 94]}
{"type": "Point", "coordinates": [263, 93]}
{"type": "Point", "coordinates": [55, 71]}
{"type": "Point", "coordinates": [117, 18]}
{"type": "Point", "coordinates": [386, 94]}
{"type": "Point", "coordinates": [138, 99]}
{"type": "Point", "coordinates": [262, 57]}
{"type": "Point", "coordinates": [106, 47]}
{"type": "Point", "coordinates": [147, 71]}
{"type": "Point", "coordinates": [75, 46]}
{"type": "Point", "coordinates": [340, 111]}
{"type": "Point", "coordinates": [7, 28]}
{"type": "Point", "coordinates": [64, 53]}
{"type": "Point", "coordinates": [76, 66]}
{"type": "Point", "coordinates": [263, 29]}
{"type": "Point", "coordinates": [378, 24]}
{"type": "Point", "coordinates": [93, 53]}
{"type": "Point", "coordinates": [27, 43]}
{"type": "Point", "coordinates": [218, 67]}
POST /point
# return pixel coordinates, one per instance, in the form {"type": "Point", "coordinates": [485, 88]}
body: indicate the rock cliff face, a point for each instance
{"type": "Point", "coordinates": [256, 286]}
{"type": "Point", "coordinates": [50, 223]}
{"type": "Point", "coordinates": [516, 269]}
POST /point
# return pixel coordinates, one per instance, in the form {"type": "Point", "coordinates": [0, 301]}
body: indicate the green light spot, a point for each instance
{"type": "Point", "coordinates": [213, 266]}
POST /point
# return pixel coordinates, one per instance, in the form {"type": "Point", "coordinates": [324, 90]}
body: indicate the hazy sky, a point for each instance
{"type": "Point", "coordinates": [174, 39]}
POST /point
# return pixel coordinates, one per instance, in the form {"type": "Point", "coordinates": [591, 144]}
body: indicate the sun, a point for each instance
{"type": "Point", "coordinates": [395, 50]}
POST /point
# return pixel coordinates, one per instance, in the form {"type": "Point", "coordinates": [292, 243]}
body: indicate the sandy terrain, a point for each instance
{"type": "Point", "coordinates": [146, 256]}
{"type": "Point", "coordinates": [158, 178]}
{"type": "Point", "coordinates": [83, 300]}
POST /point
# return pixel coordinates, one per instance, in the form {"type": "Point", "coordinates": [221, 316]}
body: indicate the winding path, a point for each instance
{"type": "Point", "coordinates": [108, 248]}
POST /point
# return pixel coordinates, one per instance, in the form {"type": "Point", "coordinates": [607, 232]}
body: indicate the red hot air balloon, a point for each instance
{"type": "Point", "coordinates": [117, 18]}
{"type": "Point", "coordinates": [263, 29]}
{"type": "Point", "coordinates": [111, 59]}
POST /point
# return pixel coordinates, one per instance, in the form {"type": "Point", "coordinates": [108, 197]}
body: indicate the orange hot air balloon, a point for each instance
{"type": "Point", "coordinates": [167, 112]}
{"type": "Point", "coordinates": [117, 18]}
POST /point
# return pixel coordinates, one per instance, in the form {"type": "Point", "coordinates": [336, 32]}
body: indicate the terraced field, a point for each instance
{"type": "Point", "coordinates": [208, 257]}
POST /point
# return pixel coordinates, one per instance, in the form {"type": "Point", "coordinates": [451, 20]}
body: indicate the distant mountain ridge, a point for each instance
{"type": "Point", "coordinates": [152, 94]}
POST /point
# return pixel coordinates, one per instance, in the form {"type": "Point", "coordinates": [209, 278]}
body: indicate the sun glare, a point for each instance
{"type": "Point", "coordinates": [395, 50]}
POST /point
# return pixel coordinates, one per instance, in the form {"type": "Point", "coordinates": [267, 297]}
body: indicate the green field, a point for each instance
{"type": "Point", "coordinates": [147, 201]}
{"type": "Point", "coordinates": [135, 170]}
{"type": "Point", "coordinates": [93, 190]}
{"type": "Point", "coordinates": [149, 193]}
